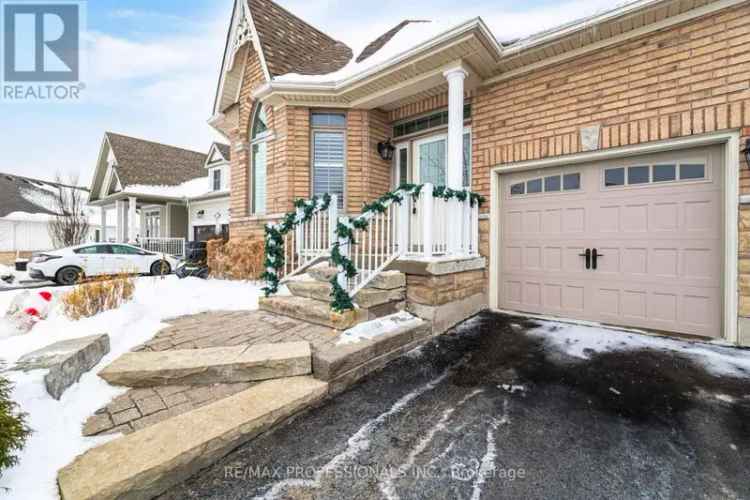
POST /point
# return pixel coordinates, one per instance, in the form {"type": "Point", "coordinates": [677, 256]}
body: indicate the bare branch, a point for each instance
{"type": "Point", "coordinates": [71, 224]}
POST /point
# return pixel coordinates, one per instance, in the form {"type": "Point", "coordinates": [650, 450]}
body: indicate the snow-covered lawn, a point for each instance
{"type": "Point", "coordinates": [57, 425]}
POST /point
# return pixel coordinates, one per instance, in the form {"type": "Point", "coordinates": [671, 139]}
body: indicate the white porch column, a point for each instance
{"type": "Point", "coordinates": [120, 210]}
{"type": "Point", "coordinates": [132, 219]}
{"type": "Point", "coordinates": [103, 230]}
{"type": "Point", "coordinates": [454, 177]}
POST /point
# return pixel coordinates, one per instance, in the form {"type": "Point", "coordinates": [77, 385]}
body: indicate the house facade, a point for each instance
{"type": "Point", "coordinates": [159, 195]}
{"type": "Point", "coordinates": [610, 150]}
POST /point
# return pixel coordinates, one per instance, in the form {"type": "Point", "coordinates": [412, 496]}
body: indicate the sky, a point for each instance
{"type": "Point", "coordinates": [152, 66]}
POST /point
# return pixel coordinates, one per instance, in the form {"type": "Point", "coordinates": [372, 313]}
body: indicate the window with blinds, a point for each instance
{"type": "Point", "coordinates": [329, 151]}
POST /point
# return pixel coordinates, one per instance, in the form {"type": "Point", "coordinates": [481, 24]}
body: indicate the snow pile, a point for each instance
{"type": "Point", "coordinates": [378, 327]}
{"type": "Point", "coordinates": [57, 425]}
{"type": "Point", "coordinates": [190, 189]}
{"type": "Point", "coordinates": [581, 341]}
{"type": "Point", "coordinates": [409, 37]}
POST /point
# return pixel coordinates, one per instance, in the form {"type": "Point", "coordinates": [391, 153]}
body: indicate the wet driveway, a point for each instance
{"type": "Point", "coordinates": [491, 411]}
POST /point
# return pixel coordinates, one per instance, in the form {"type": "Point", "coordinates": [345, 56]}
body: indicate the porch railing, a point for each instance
{"type": "Point", "coordinates": [310, 241]}
{"type": "Point", "coordinates": [169, 246]}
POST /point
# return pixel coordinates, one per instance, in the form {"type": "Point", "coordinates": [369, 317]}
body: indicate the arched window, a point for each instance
{"type": "Point", "coordinates": [258, 160]}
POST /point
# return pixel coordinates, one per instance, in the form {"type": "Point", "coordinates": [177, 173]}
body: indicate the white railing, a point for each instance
{"type": "Point", "coordinates": [435, 221]}
{"type": "Point", "coordinates": [376, 247]}
{"type": "Point", "coordinates": [426, 227]}
{"type": "Point", "coordinates": [169, 246]}
{"type": "Point", "coordinates": [310, 241]}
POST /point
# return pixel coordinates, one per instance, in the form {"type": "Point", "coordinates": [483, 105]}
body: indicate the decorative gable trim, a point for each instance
{"type": "Point", "coordinates": [241, 32]}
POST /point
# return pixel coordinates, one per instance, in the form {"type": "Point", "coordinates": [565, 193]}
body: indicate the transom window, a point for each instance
{"type": "Point", "coordinates": [654, 174]}
{"type": "Point", "coordinates": [434, 120]}
{"type": "Point", "coordinates": [547, 184]}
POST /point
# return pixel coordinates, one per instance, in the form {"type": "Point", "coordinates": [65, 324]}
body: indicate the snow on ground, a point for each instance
{"type": "Point", "coordinates": [57, 438]}
{"type": "Point", "coordinates": [377, 327]}
{"type": "Point", "coordinates": [580, 341]}
{"type": "Point", "coordinates": [18, 277]}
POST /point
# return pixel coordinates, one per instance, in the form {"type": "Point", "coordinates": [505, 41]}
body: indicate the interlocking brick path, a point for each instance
{"type": "Point", "coordinates": [139, 408]}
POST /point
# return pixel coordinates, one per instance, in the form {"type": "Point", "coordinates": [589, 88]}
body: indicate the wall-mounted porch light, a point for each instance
{"type": "Point", "coordinates": [747, 151]}
{"type": "Point", "coordinates": [386, 149]}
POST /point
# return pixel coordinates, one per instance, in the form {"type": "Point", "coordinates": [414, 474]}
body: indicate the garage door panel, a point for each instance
{"type": "Point", "coordinates": [661, 248]}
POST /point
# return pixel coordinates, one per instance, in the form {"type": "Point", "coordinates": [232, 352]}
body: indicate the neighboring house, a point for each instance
{"type": "Point", "coordinates": [618, 134]}
{"type": "Point", "coordinates": [26, 208]}
{"type": "Point", "coordinates": [161, 195]}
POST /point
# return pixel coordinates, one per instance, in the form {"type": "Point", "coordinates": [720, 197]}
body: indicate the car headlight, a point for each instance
{"type": "Point", "coordinates": [42, 258]}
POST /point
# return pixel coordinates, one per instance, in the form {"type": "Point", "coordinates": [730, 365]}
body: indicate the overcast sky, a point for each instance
{"type": "Point", "coordinates": [153, 67]}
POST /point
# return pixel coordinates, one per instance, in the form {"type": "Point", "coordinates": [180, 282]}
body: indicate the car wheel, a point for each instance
{"type": "Point", "coordinates": [160, 268]}
{"type": "Point", "coordinates": [68, 276]}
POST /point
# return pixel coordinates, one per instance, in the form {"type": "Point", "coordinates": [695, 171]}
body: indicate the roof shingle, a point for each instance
{"type": "Point", "coordinates": [23, 194]}
{"type": "Point", "coordinates": [290, 45]}
{"type": "Point", "coordinates": [150, 163]}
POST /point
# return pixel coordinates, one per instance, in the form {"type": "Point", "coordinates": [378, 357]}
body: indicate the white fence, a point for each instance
{"type": "Point", "coordinates": [169, 246]}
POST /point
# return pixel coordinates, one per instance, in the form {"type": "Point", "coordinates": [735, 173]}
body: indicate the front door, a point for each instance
{"type": "Point", "coordinates": [431, 160]}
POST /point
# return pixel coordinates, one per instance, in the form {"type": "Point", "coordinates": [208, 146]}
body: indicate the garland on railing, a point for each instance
{"type": "Point", "coordinates": [274, 251]}
{"type": "Point", "coordinates": [345, 231]}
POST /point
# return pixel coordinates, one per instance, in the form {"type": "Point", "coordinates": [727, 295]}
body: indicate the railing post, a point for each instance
{"type": "Point", "coordinates": [299, 233]}
{"type": "Point", "coordinates": [427, 220]}
{"type": "Point", "coordinates": [344, 249]}
{"type": "Point", "coordinates": [404, 223]}
{"type": "Point", "coordinates": [475, 229]}
{"type": "Point", "coordinates": [466, 226]}
{"type": "Point", "coordinates": [333, 218]}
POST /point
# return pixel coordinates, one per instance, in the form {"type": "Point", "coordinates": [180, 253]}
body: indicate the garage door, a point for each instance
{"type": "Point", "coordinates": [633, 242]}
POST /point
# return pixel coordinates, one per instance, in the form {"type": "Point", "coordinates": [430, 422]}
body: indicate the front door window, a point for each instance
{"type": "Point", "coordinates": [153, 224]}
{"type": "Point", "coordinates": [432, 157]}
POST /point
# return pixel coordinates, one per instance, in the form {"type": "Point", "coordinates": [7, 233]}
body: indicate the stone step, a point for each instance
{"type": "Point", "coordinates": [369, 347]}
{"type": "Point", "coordinates": [312, 311]}
{"type": "Point", "coordinates": [217, 365]}
{"type": "Point", "coordinates": [389, 286]}
{"type": "Point", "coordinates": [322, 272]}
{"type": "Point", "coordinates": [146, 463]}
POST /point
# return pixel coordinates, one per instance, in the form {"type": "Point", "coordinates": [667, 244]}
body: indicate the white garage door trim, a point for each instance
{"type": "Point", "coordinates": [730, 141]}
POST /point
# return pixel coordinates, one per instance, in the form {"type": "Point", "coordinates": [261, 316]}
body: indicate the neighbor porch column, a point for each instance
{"type": "Point", "coordinates": [132, 219]}
{"type": "Point", "coordinates": [103, 229]}
{"type": "Point", "coordinates": [454, 177]}
{"type": "Point", "coordinates": [120, 211]}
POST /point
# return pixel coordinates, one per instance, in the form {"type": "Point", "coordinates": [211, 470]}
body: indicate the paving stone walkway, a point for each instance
{"type": "Point", "coordinates": [140, 408]}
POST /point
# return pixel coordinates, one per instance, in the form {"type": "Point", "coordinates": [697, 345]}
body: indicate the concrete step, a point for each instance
{"type": "Point", "coordinates": [312, 311]}
{"type": "Point", "coordinates": [217, 365]}
{"type": "Point", "coordinates": [146, 463]}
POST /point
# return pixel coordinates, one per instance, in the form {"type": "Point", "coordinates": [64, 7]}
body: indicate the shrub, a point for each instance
{"type": "Point", "coordinates": [239, 258]}
{"type": "Point", "coordinates": [92, 297]}
{"type": "Point", "coordinates": [13, 429]}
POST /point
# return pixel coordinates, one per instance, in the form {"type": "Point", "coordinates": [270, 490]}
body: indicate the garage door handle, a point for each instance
{"type": "Point", "coordinates": [595, 256]}
{"type": "Point", "coordinates": [587, 254]}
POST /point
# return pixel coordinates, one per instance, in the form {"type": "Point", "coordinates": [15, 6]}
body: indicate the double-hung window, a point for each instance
{"type": "Point", "coordinates": [217, 180]}
{"type": "Point", "coordinates": [259, 161]}
{"type": "Point", "coordinates": [329, 154]}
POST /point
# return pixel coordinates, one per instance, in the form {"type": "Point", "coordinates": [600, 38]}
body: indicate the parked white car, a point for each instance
{"type": "Point", "coordinates": [68, 265]}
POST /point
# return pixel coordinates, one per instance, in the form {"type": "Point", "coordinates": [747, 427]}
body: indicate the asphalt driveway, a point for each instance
{"type": "Point", "coordinates": [490, 411]}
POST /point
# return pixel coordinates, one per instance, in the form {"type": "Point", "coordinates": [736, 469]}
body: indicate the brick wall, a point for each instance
{"type": "Point", "coordinates": [690, 79]}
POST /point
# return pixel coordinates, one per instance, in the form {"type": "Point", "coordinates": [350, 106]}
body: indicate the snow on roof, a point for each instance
{"type": "Point", "coordinates": [407, 38]}
{"type": "Point", "coordinates": [190, 189]}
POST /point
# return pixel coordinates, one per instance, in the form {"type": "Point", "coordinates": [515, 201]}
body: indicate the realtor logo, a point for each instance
{"type": "Point", "coordinates": [41, 44]}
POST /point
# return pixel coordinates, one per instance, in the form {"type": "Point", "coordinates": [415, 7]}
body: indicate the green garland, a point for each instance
{"type": "Point", "coordinates": [274, 255]}
{"type": "Point", "coordinates": [274, 248]}
{"type": "Point", "coordinates": [345, 231]}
